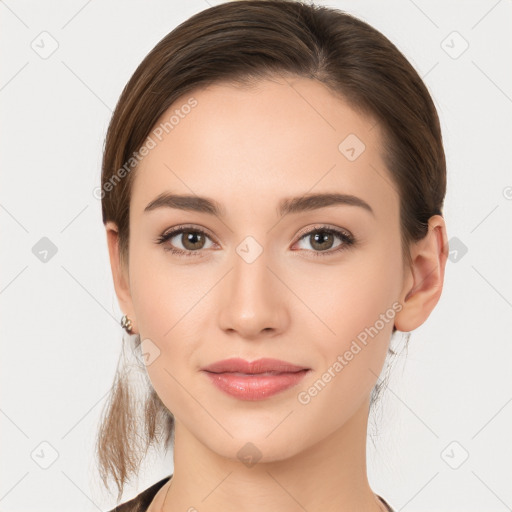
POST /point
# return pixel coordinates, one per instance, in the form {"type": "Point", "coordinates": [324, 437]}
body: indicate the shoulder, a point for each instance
{"type": "Point", "coordinates": [142, 501]}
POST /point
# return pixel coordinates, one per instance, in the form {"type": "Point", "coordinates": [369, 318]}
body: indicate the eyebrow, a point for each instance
{"type": "Point", "coordinates": [304, 203]}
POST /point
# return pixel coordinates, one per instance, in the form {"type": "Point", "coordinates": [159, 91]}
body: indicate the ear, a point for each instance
{"type": "Point", "coordinates": [423, 283]}
{"type": "Point", "coordinates": [120, 274]}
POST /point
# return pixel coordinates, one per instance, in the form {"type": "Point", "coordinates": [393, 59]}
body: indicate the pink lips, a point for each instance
{"type": "Point", "coordinates": [254, 380]}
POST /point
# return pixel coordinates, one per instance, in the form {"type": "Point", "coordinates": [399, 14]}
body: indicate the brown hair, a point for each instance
{"type": "Point", "coordinates": [240, 43]}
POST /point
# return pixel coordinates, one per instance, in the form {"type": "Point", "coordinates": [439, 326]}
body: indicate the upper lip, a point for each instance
{"type": "Point", "coordinates": [251, 367]}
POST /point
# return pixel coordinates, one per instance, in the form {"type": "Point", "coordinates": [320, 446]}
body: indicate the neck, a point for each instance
{"type": "Point", "coordinates": [329, 476]}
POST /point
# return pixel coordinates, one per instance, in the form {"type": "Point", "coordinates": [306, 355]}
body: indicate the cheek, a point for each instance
{"type": "Point", "coordinates": [161, 293]}
{"type": "Point", "coordinates": [164, 313]}
{"type": "Point", "coordinates": [357, 308]}
{"type": "Point", "coordinates": [168, 300]}
{"type": "Point", "coordinates": [356, 304]}
{"type": "Point", "coordinates": [354, 297]}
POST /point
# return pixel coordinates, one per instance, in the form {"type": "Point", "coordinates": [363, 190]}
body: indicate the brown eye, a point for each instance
{"type": "Point", "coordinates": [322, 241]}
{"type": "Point", "coordinates": [184, 241]}
{"type": "Point", "coordinates": [192, 240]}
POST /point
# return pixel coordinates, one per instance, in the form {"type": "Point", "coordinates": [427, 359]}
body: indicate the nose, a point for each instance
{"type": "Point", "coordinates": [252, 300]}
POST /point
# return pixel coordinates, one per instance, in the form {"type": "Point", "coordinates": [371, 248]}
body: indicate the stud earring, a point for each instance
{"type": "Point", "coordinates": [126, 324]}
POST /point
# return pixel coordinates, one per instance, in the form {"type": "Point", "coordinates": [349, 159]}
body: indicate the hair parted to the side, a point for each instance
{"type": "Point", "coordinates": [241, 43]}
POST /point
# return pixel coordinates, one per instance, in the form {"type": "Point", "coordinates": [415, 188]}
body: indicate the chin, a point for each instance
{"type": "Point", "coordinates": [254, 447]}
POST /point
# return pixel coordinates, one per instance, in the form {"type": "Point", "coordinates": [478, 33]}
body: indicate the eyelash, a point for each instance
{"type": "Point", "coordinates": [347, 240]}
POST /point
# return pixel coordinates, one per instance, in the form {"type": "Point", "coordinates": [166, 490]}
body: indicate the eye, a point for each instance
{"type": "Point", "coordinates": [322, 240]}
{"type": "Point", "coordinates": [192, 240]}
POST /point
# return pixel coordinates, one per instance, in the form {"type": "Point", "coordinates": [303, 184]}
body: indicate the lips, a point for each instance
{"type": "Point", "coordinates": [254, 380]}
{"type": "Point", "coordinates": [264, 365]}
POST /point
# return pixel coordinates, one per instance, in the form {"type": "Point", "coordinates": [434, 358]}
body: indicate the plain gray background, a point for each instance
{"type": "Point", "coordinates": [443, 432]}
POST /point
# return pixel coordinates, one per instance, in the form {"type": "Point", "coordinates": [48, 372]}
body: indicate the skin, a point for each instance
{"type": "Point", "coordinates": [248, 148]}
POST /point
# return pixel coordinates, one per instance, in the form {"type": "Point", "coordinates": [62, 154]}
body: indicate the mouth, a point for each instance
{"type": "Point", "coordinates": [259, 366]}
{"type": "Point", "coordinates": [258, 380]}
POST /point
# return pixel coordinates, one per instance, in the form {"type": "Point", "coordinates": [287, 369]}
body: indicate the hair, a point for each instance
{"type": "Point", "coordinates": [241, 43]}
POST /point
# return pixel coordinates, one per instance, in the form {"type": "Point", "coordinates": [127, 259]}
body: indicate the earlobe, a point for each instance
{"type": "Point", "coordinates": [119, 273]}
{"type": "Point", "coordinates": [424, 282]}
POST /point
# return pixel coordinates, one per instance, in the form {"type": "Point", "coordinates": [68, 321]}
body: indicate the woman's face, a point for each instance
{"type": "Point", "coordinates": [261, 282]}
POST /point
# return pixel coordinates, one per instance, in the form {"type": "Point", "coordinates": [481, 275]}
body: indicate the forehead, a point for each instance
{"type": "Point", "coordinates": [281, 138]}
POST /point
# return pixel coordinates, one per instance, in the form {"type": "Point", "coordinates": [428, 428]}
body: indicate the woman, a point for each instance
{"type": "Point", "coordinates": [272, 190]}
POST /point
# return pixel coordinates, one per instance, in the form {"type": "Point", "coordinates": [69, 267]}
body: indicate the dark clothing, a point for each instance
{"type": "Point", "coordinates": [142, 501]}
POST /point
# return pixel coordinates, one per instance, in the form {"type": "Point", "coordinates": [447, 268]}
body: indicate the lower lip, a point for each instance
{"type": "Point", "coordinates": [256, 386]}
